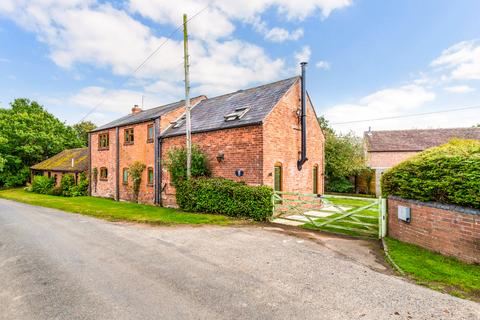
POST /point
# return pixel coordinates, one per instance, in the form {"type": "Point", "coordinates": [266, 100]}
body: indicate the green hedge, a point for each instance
{"type": "Point", "coordinates": [224, 196]}
{"type": "Point", "coordinates": [447, 174]}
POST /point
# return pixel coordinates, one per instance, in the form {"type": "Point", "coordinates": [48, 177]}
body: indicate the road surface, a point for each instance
{"type": "Point", "coordinates": [57, 265]}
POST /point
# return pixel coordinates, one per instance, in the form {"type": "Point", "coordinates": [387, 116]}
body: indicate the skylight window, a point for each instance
{"type": "Point", "coordinates": [237, 114]}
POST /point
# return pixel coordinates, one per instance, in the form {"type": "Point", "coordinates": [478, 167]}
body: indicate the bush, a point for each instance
{"type": "Point", "coordinates": [66, 184]}
{"type": "Point", "coordinates": [340, 185]}
{"type": "Point", "coordinates": [42, 184]}
{"type": "Point", "coordinates": [135, 173]}
{"type": "Point", "coordinates": [81, 189]}
{"type": "Point", "coordinates": [447, 174]}
{"type": "Point", "coordinates": [224, 196]}
{"type": "Point", "coordinates": [177, 164]}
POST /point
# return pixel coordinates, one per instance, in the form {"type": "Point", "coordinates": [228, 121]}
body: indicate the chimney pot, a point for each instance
{"type": "Point", "coordinates": [136, 109]}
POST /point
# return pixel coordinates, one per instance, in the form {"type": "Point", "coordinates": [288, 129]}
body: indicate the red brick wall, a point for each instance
{"type": "Point", "coordinates": [282, 144]}
{"type": "Point", "coordinates": [446, 230]}
{"type": "Point", "coordinates": [104, 158]}
{"type": "Point", "coordinates": [242, 149]}
{"type": "Point", "coordinates": [142, 151]}
{"type": "Point", "coordinates": [139, 151]}
{"type": "Point", "coordinates": [387, 159]}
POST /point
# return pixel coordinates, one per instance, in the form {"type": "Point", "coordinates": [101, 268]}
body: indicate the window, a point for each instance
{"type": "Point", "coordinates": [103, 141]}
{"type": "Point", "coordinates": [103, 173]}
{"type": "Point", "coordinates": [179, 122]}
{"type": "Point", "coordinates": [150, 176]}
{"type": "Point", "coordinates": [315, 179]}
{"type": "Point", "coordinates": [150, 133]}
{"type": "Point", "coordinates": [237, 114]}
{"type": "Point", "coordinates": [129, 136]}
{"type": "Point", "coordinates": [125, 176]}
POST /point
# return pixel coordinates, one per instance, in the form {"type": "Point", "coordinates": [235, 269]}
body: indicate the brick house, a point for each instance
{"type": "Point", "coordinates": [252, 135]}
{"type": "Point", "coordinates": [70, 161]}
{"type": "Point", "coordinates": [386, 149]}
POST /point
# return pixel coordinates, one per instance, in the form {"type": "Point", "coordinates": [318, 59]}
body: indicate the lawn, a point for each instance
{"type": "Point", "coordinates": [356, 229]}
{"type": "Point", "coordinates": [436, 271]}
{"type": "Point", "coordinates": [116, 211]}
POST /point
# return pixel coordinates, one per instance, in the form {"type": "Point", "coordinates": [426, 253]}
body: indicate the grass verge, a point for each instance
{"type": "Point", "coordinates": [436, 271]}
{"type": "Point", "coordinates": [116, 211]}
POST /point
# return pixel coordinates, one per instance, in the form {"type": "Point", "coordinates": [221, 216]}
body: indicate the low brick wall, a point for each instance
{"type": "Point", "coordinates": [447, 229]}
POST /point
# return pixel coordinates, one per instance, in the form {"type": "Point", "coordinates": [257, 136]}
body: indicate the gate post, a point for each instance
{"type": "Point", "coordinates": [382, 223]}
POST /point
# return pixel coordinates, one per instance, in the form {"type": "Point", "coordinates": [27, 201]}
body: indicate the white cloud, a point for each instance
{"type": "Point", "coordinates": [107, 37]}
{"type": "Point", "coordinates": [459, 89]}
{"type": "Point", "coordinates": [383, 103]}
{"type": "Point", "coordinates": [303, 55]}
{"type": "Point", "coordinates": [462, 60]}
{"type": "Point", "coordinates": [280, 35]}
{"type": "Point", "coordinates": [325, 65]}
{"type": "Point", "coordinates": [118, 102]}
{"type": "Point", "coordinates": [218, 20]}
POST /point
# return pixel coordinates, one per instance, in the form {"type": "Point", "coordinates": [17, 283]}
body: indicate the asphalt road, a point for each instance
{"type": "Point", "coordinates": [55, 265]}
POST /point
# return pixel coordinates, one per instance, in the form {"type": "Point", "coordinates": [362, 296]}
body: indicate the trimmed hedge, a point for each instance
{"type": "Point", "coordinates": [217, 195]}
{"type": "Point", "coordinates": [447, 174]}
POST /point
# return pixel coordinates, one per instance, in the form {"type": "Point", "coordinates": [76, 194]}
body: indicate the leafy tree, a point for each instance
{"type": "Point", "coordinates": [28, 135]}
{"type": "Point", "coordinates": [344, 157]}
{"type": "Point", "coordinates": [82, 129]}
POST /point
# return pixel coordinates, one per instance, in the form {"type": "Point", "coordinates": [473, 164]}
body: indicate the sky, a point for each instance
{"type": "Point", "coordinates": [368, 59]}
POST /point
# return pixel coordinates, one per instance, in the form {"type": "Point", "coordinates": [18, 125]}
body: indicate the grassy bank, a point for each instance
{"type": "Point", "coordinates": [436, 271]}
{"type": "Point", "coordinates": [115, 211]}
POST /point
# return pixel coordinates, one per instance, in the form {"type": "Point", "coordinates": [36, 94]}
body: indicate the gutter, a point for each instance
{"type": "Point", "coordinates": [117, 165]}
{"type": "Point", "coordinates": [157, 163]}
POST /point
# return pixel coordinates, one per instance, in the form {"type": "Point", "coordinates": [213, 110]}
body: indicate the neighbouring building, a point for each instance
{"type": "Point", "coordinates": [70, 161]}
{"type": "Point", "coordinates": [267, 135]}
{"type": "Point", "coordinates": [385, 149]}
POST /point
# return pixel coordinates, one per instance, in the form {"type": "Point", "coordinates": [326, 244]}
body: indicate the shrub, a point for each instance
{"type": "Point", "coordinates": [224, 196]}
{"type": "Point", "coordinates": [135, 173]}
{"type": "Point", "coordinates": [81, 189]}
{"type": "Point", "coordinates": [341, 185]}
{"type": "Point", "coordinates": [177, 164]}
{"type": "Point", "coordinates": [66, 184]}
{"type": "Point", "coordinates": [42, 184]}
{"type": "Point", "coordinates": [447, 174]}
{"type": "Point", "coordinates": [56, 191]}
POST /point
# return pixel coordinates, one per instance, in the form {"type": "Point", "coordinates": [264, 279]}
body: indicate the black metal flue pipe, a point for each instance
{"type": "Point", "coordinates": [303, 118]}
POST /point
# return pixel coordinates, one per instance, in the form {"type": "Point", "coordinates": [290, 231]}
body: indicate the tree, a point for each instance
{"type": "Point", "coordinates": [82, 129]}
{"type": "Point", "coordinates": [28, 135]}
{"type": "Point", "coordinates": [344, 156]}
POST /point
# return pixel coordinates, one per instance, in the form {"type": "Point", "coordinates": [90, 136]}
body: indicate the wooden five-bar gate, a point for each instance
{"type": "Point", "coordinates": [347, 215]}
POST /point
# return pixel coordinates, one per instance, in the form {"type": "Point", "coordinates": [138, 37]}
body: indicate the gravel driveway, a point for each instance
{"type": "Point", "coordinates": [55, 265]}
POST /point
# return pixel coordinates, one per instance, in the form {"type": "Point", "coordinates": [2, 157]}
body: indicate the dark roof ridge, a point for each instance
{"type": "Point", "coordinates": [427, 129]}
{"type": "Point", "coordinates": [253, 88]}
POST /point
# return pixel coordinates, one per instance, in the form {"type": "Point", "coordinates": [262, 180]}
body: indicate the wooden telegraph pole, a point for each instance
{"type": "Point", "coordinates": [187, 98]}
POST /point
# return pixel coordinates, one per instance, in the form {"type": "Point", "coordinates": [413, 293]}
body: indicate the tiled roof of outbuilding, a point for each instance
{"type": "Point", "coordinates": [416, 140]}
{"type": "Point", "coordinates": [142, 116]}
{"type": "Point", "coordinates": [63, 161]}
{"type": "Point", "coordinates": [210, 113]}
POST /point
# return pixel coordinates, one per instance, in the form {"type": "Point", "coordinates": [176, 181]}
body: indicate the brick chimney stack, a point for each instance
{"type": "Point", "coordinates": [136, 109]}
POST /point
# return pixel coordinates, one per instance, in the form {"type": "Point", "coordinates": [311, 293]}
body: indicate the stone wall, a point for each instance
{"type": "Point", "coordinates": [447, 229]}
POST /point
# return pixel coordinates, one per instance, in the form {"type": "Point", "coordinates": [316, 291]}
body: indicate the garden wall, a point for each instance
{"type": "Point", "coordinates": [447, 229]}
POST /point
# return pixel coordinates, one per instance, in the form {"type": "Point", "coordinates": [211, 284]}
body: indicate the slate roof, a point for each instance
{"type": "Point", "coordinates": [209, 114]}
{"type": "Point", "coordinates": [416, 140]}
{"type": "Point", "coordinates": [63, 161]}
{"type": "Point", "coordinates": [142, 116]}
